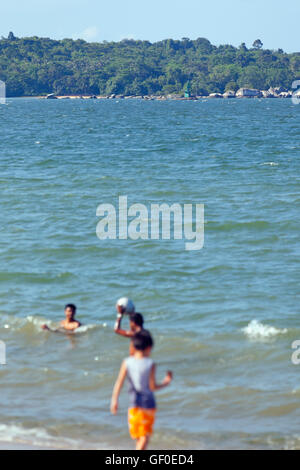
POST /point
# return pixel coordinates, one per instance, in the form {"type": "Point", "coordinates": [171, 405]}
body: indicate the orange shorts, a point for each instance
{"type": "Point", "coordinates": [141, 421]}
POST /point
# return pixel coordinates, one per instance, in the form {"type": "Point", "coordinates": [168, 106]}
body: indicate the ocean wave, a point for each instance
{"type": "Point", "coordinates": [85, 328]}
{"type": "Point", "coordinates": [233, 226]}
{"type": "Point", "coordinates": [269, 164]}
{"type": "Point", "coordinates": [33, 323]}
{"type": "Point", "coordinates": [37, 278]}
{"type": "Point", "coordinates": [14, 433]}
{"type": "Point", "coordinates": [13, 323]}
{"type": "Point", "coordinates": [292, 443]}
{"type": "Point", "coordinates": [258, 331]}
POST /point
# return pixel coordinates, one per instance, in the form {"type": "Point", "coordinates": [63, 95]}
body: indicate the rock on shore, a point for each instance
{"type": "Point", "coordinates": [229, 94]}
{"type": "Point", "coordinates": [248, 93]}
{"type": "Point", "coordinates": [215, 95]}
{"type": "Point", "coordinates": [51, 96]}
{"type": "Point", "coordinates": [277, 92]}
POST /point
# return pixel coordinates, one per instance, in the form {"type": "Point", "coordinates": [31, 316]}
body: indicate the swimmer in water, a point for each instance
{"type": "Point", "coordinates": [69, 324]}
{"type": "Point", "coordinates": [136, 325]}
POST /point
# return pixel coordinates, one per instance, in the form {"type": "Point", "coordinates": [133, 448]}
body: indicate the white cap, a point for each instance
{"type": "Point", "coordinates": [127, 304]}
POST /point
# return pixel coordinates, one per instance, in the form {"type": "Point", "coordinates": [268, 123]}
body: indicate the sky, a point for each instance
{"type": "Point", "coordinates": [222, 22]}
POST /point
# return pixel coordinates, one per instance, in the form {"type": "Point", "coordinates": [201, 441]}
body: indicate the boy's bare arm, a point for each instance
{"type": "Point", "coordinates": [117, 388]}
{"type": "Point", "coordinates": [118, 329]}
{"type": "Point", "coordinates": [61, 328]}
{"type": "Point", "coordinates": [46, 327]}
{"type": "Point", "coordinates": [152, 380]}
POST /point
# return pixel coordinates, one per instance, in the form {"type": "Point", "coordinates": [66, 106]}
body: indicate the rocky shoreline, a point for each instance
{"type": "Point", "coordinates": [277, 92]}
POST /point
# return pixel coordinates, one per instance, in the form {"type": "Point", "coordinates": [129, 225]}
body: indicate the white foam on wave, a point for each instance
{"type": "Point", "coordinates": [85, 328]}
{"type": "Point", "coordinates": [14, 433]}
{"type": "Point", "coordinates": [258, 331]}
{"type": "Point", "coordinates": [270, 163]}
{"type": "Point", "coordinates": [38, 322]}
{"type": "Point", "coordinates": [292, 443]}
{"type": "Point", "coordinates": [13, 323]}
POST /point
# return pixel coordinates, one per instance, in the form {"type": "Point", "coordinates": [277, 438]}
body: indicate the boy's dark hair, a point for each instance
{"type": "Point", "coordinates": [72, 307]}
{"type": "Point", "coordinates": [137, 318]}
{"type": "Point", "coordinates": [142, 340]}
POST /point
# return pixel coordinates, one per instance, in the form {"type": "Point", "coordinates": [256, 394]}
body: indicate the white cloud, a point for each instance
{"type": "Point", "coordinates": [88, 34]}
{"type": "Point", "coordinates": [128, 36]}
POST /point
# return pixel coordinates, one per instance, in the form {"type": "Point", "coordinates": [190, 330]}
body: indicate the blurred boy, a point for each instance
{"type": "Point", "coordinates": [69, 324]}
{"type": "Point", "coordinates": [136, 323]}
{"type": "Point", "coordinates": [140, 371]}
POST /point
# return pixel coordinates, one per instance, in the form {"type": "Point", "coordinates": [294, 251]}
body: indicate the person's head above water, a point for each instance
{"type": "Point", "coordinates": [70, 311]}
{"type": "Point", "coordinates": [69, 323]}
{"type": "Point", "coordinates": [142, 341]}
{"type": "Point", "coordinates": [136, 321]}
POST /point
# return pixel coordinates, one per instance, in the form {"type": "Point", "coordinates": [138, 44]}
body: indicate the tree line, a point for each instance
{"type": "Point", "coordinates": [37, 66]}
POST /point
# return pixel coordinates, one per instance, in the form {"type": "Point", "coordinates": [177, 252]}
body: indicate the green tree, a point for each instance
{"type": "Point", "coordinates": [243, 47]}
{"type": "Point", "coordinates": [35, 66]}
{"type": "Point", "coordinates": [11, 36]}
{"type": "Point", "coordinates": [232, 86]}
{"type": "Point", "coordinates": [257, 44]}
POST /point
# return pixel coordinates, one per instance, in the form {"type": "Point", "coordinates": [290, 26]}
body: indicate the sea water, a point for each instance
{"type": "Point", "coordinates": [223, 318]}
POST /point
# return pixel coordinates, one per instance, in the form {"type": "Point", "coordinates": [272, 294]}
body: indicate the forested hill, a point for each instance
{"type": "Point", "coordinates": [37, 66]}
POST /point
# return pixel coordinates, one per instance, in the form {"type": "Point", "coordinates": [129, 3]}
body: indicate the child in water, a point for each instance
{"type": "Point", "coordinates": [140, 371]}
{"type": "Point", "coordinates": [136, 322]}
{"type": "Point", "coordinates": [69, 324]}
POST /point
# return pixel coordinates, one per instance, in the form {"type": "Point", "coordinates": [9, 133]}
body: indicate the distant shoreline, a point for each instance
{"type": "Point", "coordinates": [243, 93]}
{"type": "Point", "coordinates": [181, 68]}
